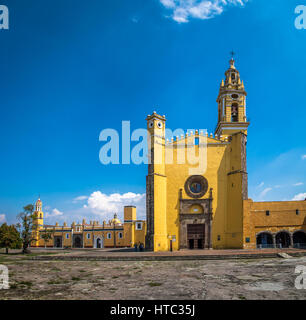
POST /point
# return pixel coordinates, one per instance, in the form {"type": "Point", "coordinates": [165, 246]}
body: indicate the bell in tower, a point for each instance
{"type": "Point", "coordinates": [231, 103]}
{"type": "Point", "coordinates": [38, 206]}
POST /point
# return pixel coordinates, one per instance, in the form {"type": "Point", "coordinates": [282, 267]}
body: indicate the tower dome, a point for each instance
{"type": "Point", "coordinates": [115, 220]}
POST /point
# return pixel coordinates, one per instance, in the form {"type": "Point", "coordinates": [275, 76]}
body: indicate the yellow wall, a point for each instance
{"type": "Point", "coordinates": [177, 174]}
{"type": "Point", "coordinates": [282, 217]}
{"type": "Point", "coordinates": [222, 158]}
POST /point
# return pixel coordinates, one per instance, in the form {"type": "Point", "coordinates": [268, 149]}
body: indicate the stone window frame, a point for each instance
{"type": "Point", "coordinates": [199, 179]}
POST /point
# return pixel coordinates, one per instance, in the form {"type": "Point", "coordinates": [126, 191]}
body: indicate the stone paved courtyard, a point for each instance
{"type": "Point", "coordinates": [174, 280]}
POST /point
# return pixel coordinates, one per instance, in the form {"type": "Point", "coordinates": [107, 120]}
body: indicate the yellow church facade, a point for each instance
{"type": "Point", "coordinates": [111, 234]}
{"type": "Point", "coordinates": [210, 209]}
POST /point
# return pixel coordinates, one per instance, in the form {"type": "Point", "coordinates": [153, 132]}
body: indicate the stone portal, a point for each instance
{"type": "Point", "coordinates": [77, 241]}
{"type": "Point", "coordinates": [196, 223]}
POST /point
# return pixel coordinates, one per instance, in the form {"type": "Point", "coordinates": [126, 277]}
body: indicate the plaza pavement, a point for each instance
{"type": "Point", "coordinates": [131, 254]}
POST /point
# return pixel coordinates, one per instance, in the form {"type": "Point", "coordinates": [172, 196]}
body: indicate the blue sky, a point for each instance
{"type": "Point", "coordinates": [71, 69]}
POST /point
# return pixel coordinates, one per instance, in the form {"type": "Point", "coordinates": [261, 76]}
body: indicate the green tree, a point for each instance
{"type": "Point", "coordinates": [9, 237]}
{"type": "Point", "coordinates": [46, 235]}
{"type": "Point", "coordinates": [27, 227]}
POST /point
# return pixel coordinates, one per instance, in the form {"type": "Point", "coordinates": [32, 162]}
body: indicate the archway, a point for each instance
{"type": "Point", "coordinates": [283, 239]}
{"type": "Point", "coordinates": [57, 242]}
{"type": "Point", "coordinates": [77, 242]}
{"type": "Point", "coordinates": [234, 112]}
{"type": "Point", "coordinates": [299, 239]}
{"type": "Point", "coordinates": [264, 240]}
{"type": "Point", "coordinates": [196, 236]}
{"type": "Point", "coordinates": [99, 243]}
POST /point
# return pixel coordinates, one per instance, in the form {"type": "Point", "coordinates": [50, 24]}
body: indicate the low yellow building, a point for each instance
{"type": "Point", "coordinates": [111, 234]}
{"type": "Point", "coordinates": [274, 224]}
{"type": "Point", "coordinates": [205, 205]}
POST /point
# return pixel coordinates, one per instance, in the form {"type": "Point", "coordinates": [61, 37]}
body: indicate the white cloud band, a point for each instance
{"type": "Point", "coordinates": [300, 196]}
{"type": "Point", "coordinates": [183, 10]}
{"type": "Point", "coordinates": [54, 213]}
{"type": "Point", "coordinates": [105, 205]}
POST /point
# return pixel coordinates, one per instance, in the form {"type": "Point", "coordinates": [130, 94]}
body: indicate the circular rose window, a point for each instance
{"type": "Point", "coordinates": [196, 186]}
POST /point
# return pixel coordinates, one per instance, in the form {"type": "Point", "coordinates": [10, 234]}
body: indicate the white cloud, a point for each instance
{"type": "Point", "coordinates": [168, 3]}
{"type": "Point", "coordinates": [183, 10]}
{"type": "Point", "coordinates": [298, 184]}
{"type": "Point", "coordinates": [135, 19]}
{"type": "Point", "coordinates": [2, 218]}
{"type": "Point", "coordinates": [80, 198]}
{"type": "Point", "coordinates": [54, 213]}
{"type": "Point", "coordinates": [300, 196]}
{"type": "Point", "coordinates": [264, 192]}
{"type": "Point", "coordinates": [104, 205]}
{"type": "Point", "coordinates": [260, 185]}
{"type": "Point", "coordinates": [99, 206]}
{"type": "Point", "coordinates": [304, 157]}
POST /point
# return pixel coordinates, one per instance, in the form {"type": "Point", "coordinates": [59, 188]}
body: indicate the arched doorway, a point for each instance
{"type": "Point", "coordinates": [283, 239]}
{"type": "Point", "coordinates": [57, 242]}
{"type": "Point", "coordinates": [196, 236]}
{"type": "Point", "coordinates": [77, 243]}
{"type": "Point", "coordinates": [99, 243]}
{"type": "Point", "coordinates": [264, 240]}
{"type": "Point", "coordinates": [299, 239]}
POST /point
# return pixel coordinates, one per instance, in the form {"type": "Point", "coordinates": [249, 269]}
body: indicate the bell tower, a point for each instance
{"type": "Point", "coordinates": [39, 215]}
{"type": "Point", "coordinates": [156, 184]}
{"type": "Point", "coordinates": [232, 103]}
{"type": "Point", "coordinates": [38, 222]}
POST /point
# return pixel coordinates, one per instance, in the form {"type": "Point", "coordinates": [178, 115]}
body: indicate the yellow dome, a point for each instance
{"type": "Point", "coordinates": [115, 220]}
